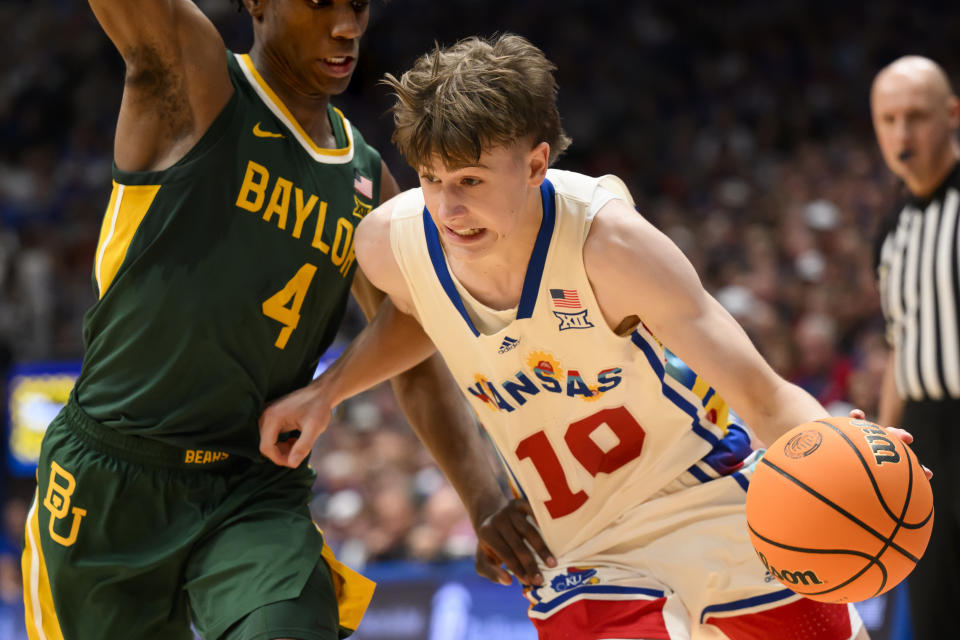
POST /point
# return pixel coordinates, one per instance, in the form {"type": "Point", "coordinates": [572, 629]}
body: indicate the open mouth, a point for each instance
{"type": "Point", "coordinates": [906, 154]}
{"type": "Point", "coordinates": [339, 65]}
{"type": "Point", "coordinates": [464, 235]}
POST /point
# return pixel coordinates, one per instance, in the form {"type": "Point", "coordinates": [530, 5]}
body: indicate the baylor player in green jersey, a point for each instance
{"type": "Point", "coordinates": [253, 287]}
{"type": "Point", "coordinates": [222, 271]}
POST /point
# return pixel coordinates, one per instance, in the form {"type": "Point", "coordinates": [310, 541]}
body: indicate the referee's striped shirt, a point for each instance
{"type": "Point", "coordinates": [919, 282]}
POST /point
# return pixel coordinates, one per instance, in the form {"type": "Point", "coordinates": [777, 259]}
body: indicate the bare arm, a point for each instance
{"type": "Point", "coordinates": [891, 404]}
{"type": "Point", "coordinates": [392, 343]}
{"type": "Point", "coordinates": [176, 79]}
{"type": "Point", "coordinates": [636, 270]}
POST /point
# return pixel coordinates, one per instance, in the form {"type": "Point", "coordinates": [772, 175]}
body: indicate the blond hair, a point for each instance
{"type": "Point", "coordinates": [476, 94]}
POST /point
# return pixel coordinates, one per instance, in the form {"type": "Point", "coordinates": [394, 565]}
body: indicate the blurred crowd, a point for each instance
{"type": "Point", "coordinates": [742, 128]}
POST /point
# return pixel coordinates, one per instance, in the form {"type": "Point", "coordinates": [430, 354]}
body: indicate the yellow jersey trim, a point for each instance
{"type": "Point", "coordinates": [279, 109]}
{"type": "Point", "coordinates": [128, 205]}
{"type": "Point", "coordinates": [353, 591]}
{"type": "Point", "coordinates": [39, 611]}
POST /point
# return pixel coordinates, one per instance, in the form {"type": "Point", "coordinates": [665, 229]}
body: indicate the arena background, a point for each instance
{"type": "Point", "coordinates": [741, 127]}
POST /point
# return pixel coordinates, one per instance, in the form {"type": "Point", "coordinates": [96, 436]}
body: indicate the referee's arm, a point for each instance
{"type": "Point", "coordinates": [891, 404]}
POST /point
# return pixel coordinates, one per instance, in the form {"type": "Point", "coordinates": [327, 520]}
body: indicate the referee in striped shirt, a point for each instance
{"type": "Point", "coordinates": [916, 116]}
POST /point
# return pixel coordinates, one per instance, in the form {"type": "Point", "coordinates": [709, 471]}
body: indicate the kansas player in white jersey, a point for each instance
{"type": "Point", "coordinates": [548, 296]}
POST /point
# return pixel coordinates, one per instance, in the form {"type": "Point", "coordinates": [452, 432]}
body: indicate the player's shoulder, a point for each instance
{"type": "Point", "coordinates": [405, 205]}
{"type": "Point", "coordinates": [578, 186]}
{"type": "Point", "coordinates": [617, 232]}
{"type": "Point", "coordinates": [373, 243]}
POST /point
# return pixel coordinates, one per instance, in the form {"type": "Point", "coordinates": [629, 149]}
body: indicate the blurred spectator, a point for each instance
{"type": "Point", "coordinates": [819, 368]}
{"type": "Point", "coordinates": [14, 519]}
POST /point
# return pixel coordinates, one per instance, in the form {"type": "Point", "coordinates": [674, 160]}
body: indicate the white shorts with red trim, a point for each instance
{"type": "Point", "coordinates": [687, 572]}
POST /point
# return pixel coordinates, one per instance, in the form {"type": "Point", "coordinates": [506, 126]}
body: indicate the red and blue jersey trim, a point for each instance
{"type": "Point", "coordinates": [747, 603]}
{"type": "Point", "coordinates": [670, 393]}
{"type": "Point", "coordinates": [726, 458]}
{"type": "Point", "coordinates": [542, 607]}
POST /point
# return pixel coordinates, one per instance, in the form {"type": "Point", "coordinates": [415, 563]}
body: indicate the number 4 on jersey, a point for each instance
{"type": "Point", "coordinates": [284, 305]}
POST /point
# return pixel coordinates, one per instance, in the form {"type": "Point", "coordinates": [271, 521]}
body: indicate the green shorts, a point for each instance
{"type": "Point", "coordinates": [131, 538]}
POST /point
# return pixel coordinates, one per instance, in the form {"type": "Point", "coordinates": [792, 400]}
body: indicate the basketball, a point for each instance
{"type": "Point", "coordinates": [839, 510]}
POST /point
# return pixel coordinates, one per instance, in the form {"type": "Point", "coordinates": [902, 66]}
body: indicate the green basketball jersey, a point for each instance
{"type": "Point", "coordinates": [223, 279]}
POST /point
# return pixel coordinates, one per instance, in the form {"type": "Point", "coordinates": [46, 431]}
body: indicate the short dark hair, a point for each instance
{"type": "Point", "coordinates": [476, 93]}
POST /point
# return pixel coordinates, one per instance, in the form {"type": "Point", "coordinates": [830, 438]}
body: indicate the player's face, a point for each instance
{"type": "Point", "coordinates": [914, 124]}
{"type": "Point", "coordinates": [477, 208]}
{"type": "Point", "coordinates": [316, 40]}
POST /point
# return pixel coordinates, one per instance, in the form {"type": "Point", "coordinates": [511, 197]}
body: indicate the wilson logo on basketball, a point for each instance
{"type": "Point", "coordinates": [882, 447]}
{"type": "Point", "coordinates": [803, 444]}
{"type": "Point", "coordinates": [791, 577]}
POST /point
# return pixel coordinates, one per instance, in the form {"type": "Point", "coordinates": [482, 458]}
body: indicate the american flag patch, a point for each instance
{"type": "Point", "coordinates": [565, 298]}
{"type": "Point", "coordinates": [362, 184]}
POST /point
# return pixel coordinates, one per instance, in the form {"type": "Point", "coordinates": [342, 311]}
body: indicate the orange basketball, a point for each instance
{"type": "Point", "coordinates": [839, 510]}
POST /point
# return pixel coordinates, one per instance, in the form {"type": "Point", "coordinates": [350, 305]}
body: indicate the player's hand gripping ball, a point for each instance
{"type": "Point", "coordinates": [839, 510]}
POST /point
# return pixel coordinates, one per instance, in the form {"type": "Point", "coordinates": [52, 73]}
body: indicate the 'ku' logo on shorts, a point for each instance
{"type": "Point", "coordinates": [574, 578]}
{"type": "Point", "coordinates": [60, 488]}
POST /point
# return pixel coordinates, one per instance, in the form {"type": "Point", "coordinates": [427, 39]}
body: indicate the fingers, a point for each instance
{"type": "Point", "coordinates": [301, 420]}
{"type": "Point", "coordinates": [907, 438]}
{"type": "Point", "coordinates": [506, 547]}
{"type": "Point", "coordinates": [858, 414]}
{"type": "Point", "coordinates": [902, 434]}
{"type": "Point", "coordinates": [510, 537]}
{"type": "Point", "coordinates": [278, 452]}
{"type": "Point", "coordinates": [270, 429]}
{"type": "Point", "coordinates": [288, 452]}
{"type": "Point", "coordinates": [300, 449]}
{"type": "Point", "coordinates": [310, 429]}
{"type": "Point", "coordinates": [488, 566]}
{"type": "Point", "coordinates": [531, 535]}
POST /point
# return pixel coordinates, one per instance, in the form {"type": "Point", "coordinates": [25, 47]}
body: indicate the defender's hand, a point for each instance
{"type": "Point", "coordinates": [905, 436]}
{"type": "Point", "coordinates": [302, 415]}
{"type": "Point", "coordinates": [502, 540]}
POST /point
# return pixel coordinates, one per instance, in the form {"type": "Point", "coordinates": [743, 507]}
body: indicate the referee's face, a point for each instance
{"type": "Point", "coordinates": [915, 120]}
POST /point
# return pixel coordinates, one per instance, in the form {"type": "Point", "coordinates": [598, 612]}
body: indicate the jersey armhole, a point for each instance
{"type": "Point", "coordinates": [210, 138]}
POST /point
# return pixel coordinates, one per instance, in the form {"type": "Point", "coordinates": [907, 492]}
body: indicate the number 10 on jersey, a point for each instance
{"type": "Point", "coordinates": [563, 501]}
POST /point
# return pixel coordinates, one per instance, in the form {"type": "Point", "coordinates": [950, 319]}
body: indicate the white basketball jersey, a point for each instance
{"type": "Point", "coordinates": [587, 423]}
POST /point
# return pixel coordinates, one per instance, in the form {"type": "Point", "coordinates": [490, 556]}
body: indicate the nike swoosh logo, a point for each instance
{"type": "Point", "coordinates": [260, 133]}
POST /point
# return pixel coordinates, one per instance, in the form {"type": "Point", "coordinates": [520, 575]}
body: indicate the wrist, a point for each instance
{"type": "Point", "coordinates": [484, 506]}
{"type": "Point", "coordinates": [326, 392]}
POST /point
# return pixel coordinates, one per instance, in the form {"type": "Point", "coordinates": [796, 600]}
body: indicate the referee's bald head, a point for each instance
{"type": "Point", "coordinates": [912, 70]}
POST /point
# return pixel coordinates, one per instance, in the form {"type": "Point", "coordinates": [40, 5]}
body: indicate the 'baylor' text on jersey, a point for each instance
{"type": "Point", "coordinates": [223, 279]}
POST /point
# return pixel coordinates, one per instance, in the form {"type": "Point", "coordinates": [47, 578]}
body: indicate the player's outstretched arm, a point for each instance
{"type": "Point", "coordinates": [392, 343]}
{"type": "Point", "coordinates": [637, 271]}
{"type": "Point", "coordinates": [176, 79]}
